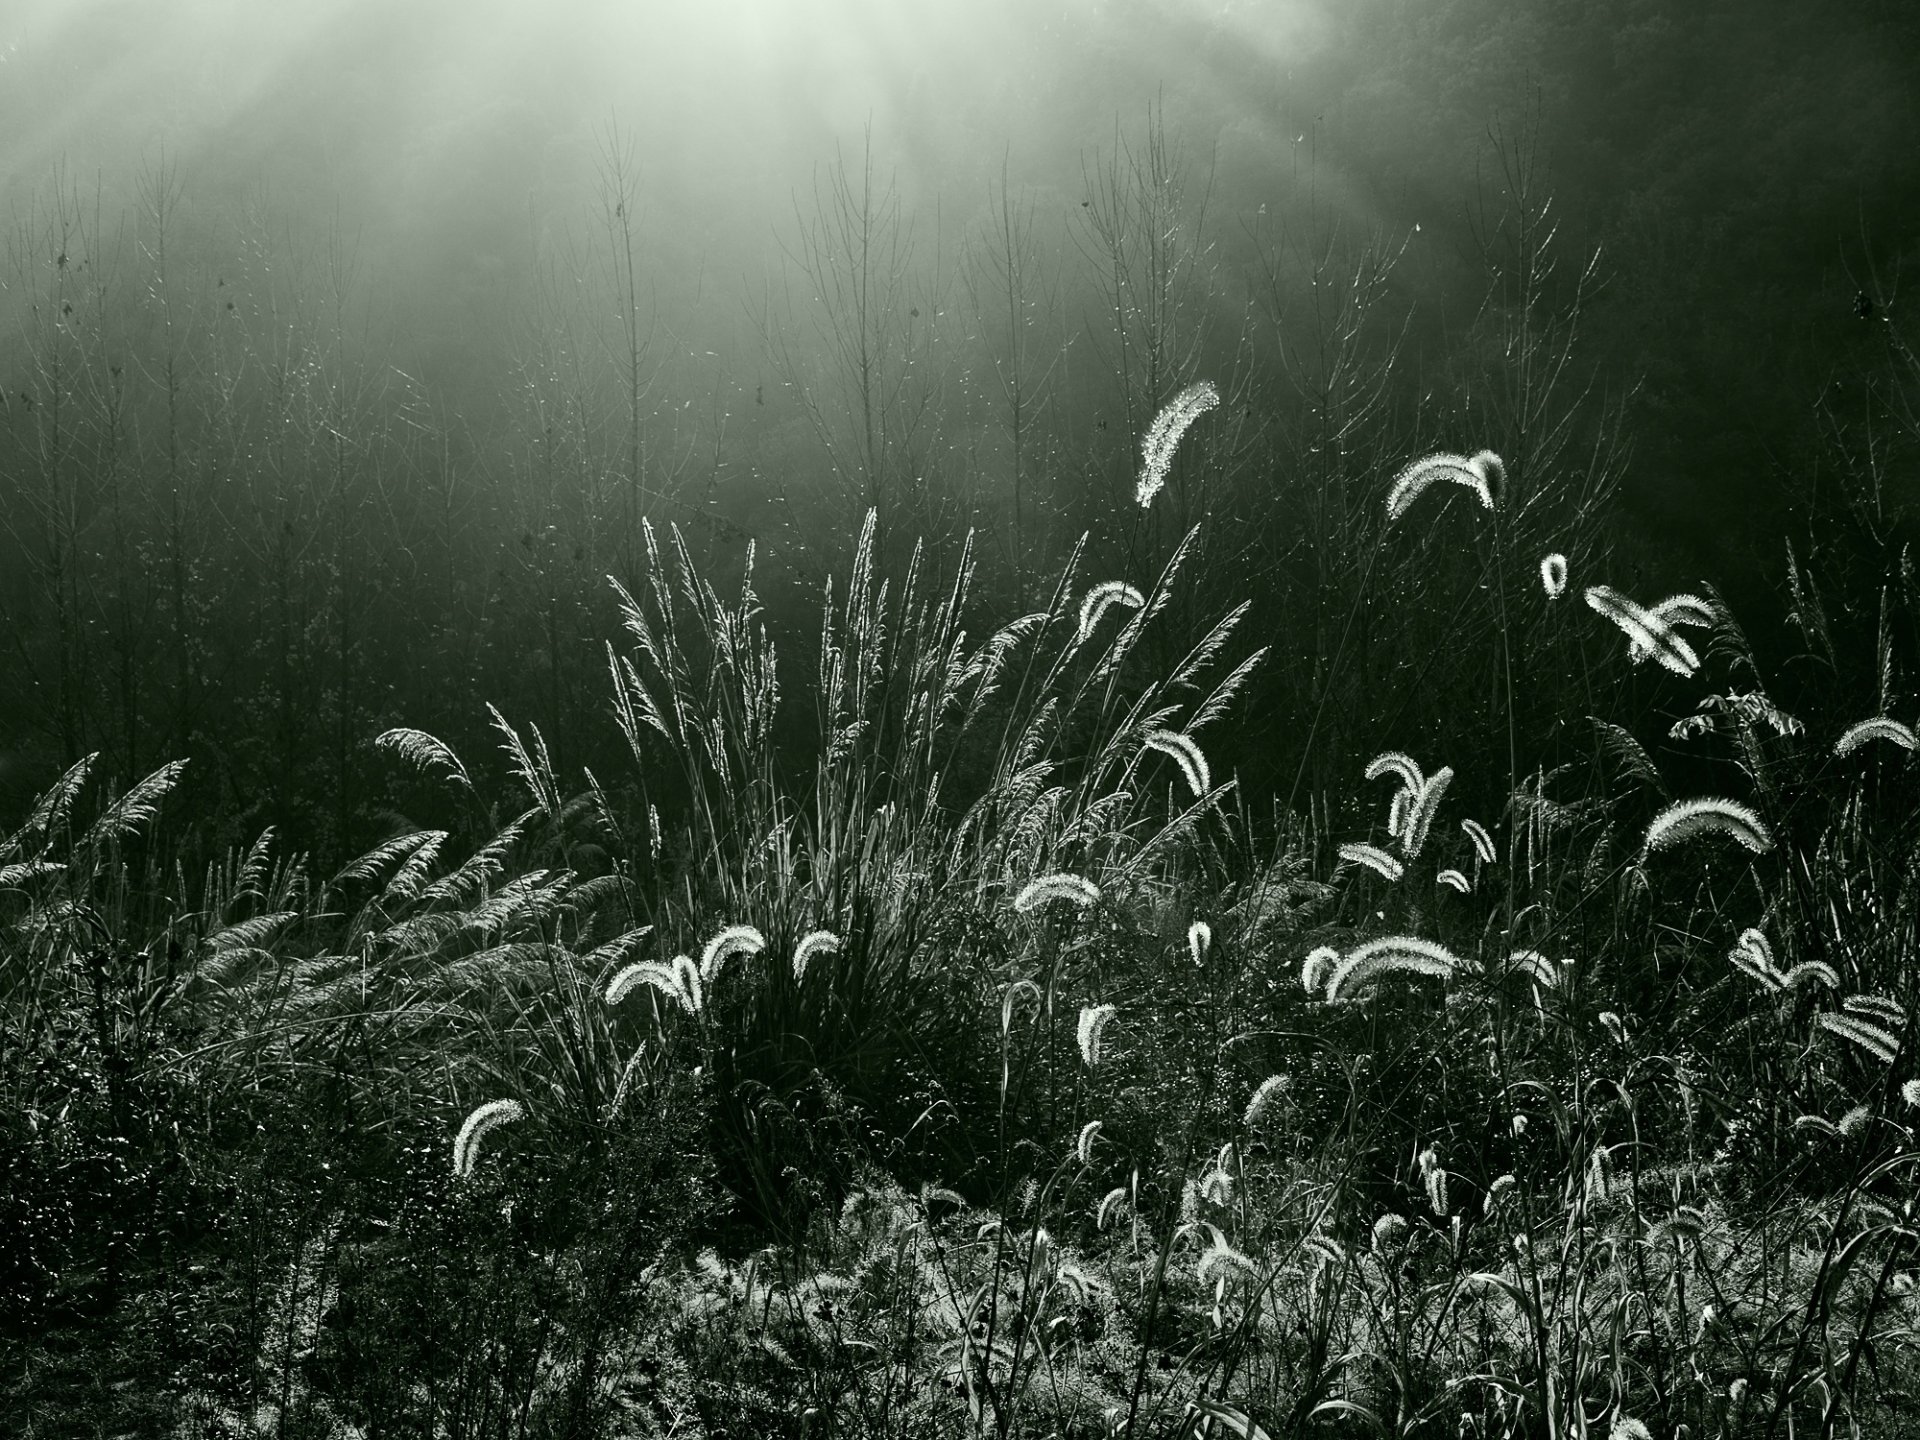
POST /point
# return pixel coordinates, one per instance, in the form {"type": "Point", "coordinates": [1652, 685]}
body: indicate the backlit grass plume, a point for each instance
{"type": "Point", "coordinates": [1093, 1024]}
{"type": "Point", "coordinates": [1420, 811]}
{"type": "Point", "coordinates": [814, 942]}
{"type": "Point", "coordinates": [1647, 633]}
{"type": "Point", "coordinates": [1060, 886]}
{"type": "Point", "coordinates": [1314, 970]}
{"type": "Point", "coordinates": [1675, 610]}
{"type": "Point", "coordinates": [1878, 728]}
{"type": "Point", "coordinates": [1366, 965]}
{"type": "Point", "coordinates": [1186, 754]}
{"type": "Point", "coordinates": [1270, 1091]}
{"type": "Point", "coordinates": [1455, 880]}
{"type": "Point", "coordinates": [492, 1115]}
{"type": "Point", "coordinates": [1686, 820]}
{"type": "Point", "coordinates": [1199, 941]}
{"type": "Point", "coordinates": [1482, 841]}
{"type": "Point", "coordinates": [732, 941]}
{"type": "Point", "coordinates": [1752, 956]}
{"type": "Point", "coordinates": [1483, 474]}
{"type": "Point", "coordinates": [1164, 435]}
{"type": "Point", "coordinates": [1870, 1036]}
{"type": "Point", "coordinates": [1100, 598]}
{"type": "Point", "coordinates": [1395, 762]}
{"type": "Point", "coordinates": [1374, 858]}
{"type": "Point", "coordinates": [1553, 576]}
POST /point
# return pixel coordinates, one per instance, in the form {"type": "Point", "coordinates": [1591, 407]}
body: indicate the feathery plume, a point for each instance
{"type": "Point", "coordinates": [1878, 728]}
{"type": "Point", "coordinates": [1482, 841]}
{"type": "Point", "coordinates": [1687, 819]}
{"type": "Point", "coordinates": [1753, 957]}
{"type": "Point", "coordinates": [1397, 812]}
{"type": "Point", "coordinates": [734, 940]}
{"type": "Point", "coordinates": [1882, 1044]}
{"type": "Point", "coordinates": [814, 942]}
{"type": "Point", "coordinates": [1186, 754]}
{"type": "Point", "coordinates": [1674, 610]}
{"type": "Point", "coordinates": [1910, 1092]}
{"type": "Point", "coordinates": [1083, 1147]}
{"type": "Point", "coordinates": [1199, 941]}
{"type": "Point", "coordinates": [1420, 811]}
{"type": "Point", "coordinates": [466, 1145]}
{"type": "Point", "coordinates": [686, 979]}
{"type": "Point", "coordinates": [1164, 435]}
{"type": "Point", "coordinates": [1100, 597]}
{"type": "Point", "coordinates": [1093, 1024]}
{"type": "Point", "coordinates": [1480, 474]}
{"type": "Point", "coordinates": [1396, 762]}
{"type": "Point", "coordinates": [1110, 1203]}
{"type": "Point", "coordinates": [1553, 576]}
{"type": "Point", "coordinates": [1651, 633]}
{"type": "Point", "coordinates": [1271, 1089]}
{"type": "Point", "coordinates": [1454, 879]}
{"type": "Point", "coordinates": [1373, 857]}
{"type": "Point", "coordinates": [1060, 886]}
{"type": "Point", "coordinates": [1876, 1007]}
{"type": "Point", "coordinates": [1315, 968]}
{"type": "Point", "coordinates": [1391, 955]}
{"type": "Point", "coordinates": [644, 972]}
{"type": "Point", "coordinates": [1808, 972]}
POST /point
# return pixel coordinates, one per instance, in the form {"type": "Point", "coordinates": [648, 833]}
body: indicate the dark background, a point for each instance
{"type": "Point", "coordinates": [357, 444]}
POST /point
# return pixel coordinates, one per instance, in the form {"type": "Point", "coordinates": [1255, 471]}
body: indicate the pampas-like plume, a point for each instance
{"type": "Point", "coordinates": [1083, 1147]}
{"type": "Point", "coordinates": [1482, 474]}
{"type": "Point", "coordinates": [419, 748]}
{"type": "Point", "coordinates": [1878, 728]}
{"type": "Point", "coordinates": [734, 940]}
{"type": "Point", "coordinates": [1482, 841]}
{"type": "Point", "coordinates": [1687, 819]}
{"type": "Point", "coordinates": [1455, 879]}
{"type": "Point", "coordinates": [1060, 886]}
{"type": "Point", "coordinates": [1395, 762]}
{"type": "Point", "coordinates": [1093, 1024]}
{"type": "Point", "coordinates": [466, 1145]}
{"type": "Point", "coordinates": [1271, 1090]}
{"type": "Point", "coordinates": [1100, 597]}
{"type": "Point", "coordinates": [1645, 630]}
{"type": "Point", "coordinates": [1392, 955]}
{"type": "Point", "coordinates": [814, 942]}
{"type": "Point", "coordinates": [1876, 1007]}
{"type": "Point", "coordinates": [1199, 941]}
{"type": "Point", "coordinates": [1675, 610]}
{"type": "Point", "coordinates": [1876, 1041]}
{"type": "Point", "coordinates": [646, 972]}
{"type": "Point", "coordinates": [1186, 754]}
{"type": "Point", "coordinates": [1314, 969]}
{"type": "Point", "coordinates": [1553, 576]}
{"type": "Point", "coordinates": [1373, 857]}
{"type": "Point", "coordinates": [1164, 435]}
{"type": "Point", "coordinates": [1753, 957]}
{"type": "Point", "coordinates": [1809, 971]}
{"type": "Point", "coordinates": [1420, 811]}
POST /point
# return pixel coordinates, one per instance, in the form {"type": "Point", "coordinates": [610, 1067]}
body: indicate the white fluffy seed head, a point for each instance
{"type": "Point", "coordinates": [1059, 886]}
{"type": "Point", "coordinates": [490, 1116]}
{"type": "Point", "coordinates": [1553, 576]}
{"type": "Point", "coordinates": [1199, 941]}
{"type": "Point", "coordinates": [734, 940]}
{"type": "Point", "coordinates": [1316, 967]}
{"type": "Point", "coordinates": [1687, 819]}
{"type": "Point", "coordinates": [1481, 474]}
{"type": "Point", "coordinates": [1093, 1024]}
{"type": "Point", "coordinates": [814, 942]}
{"type": "Point", "coordinates": [1163, 437]}
{"type": "Point", "coordinates": [1482, 841]}
{"type": "Point", "coordinates": [1878, 728]}
{"type": "Point", "coordinates": [1186, 754]}
{"type": "Point", "coordinates": [1358, 852]}
{"type": "Point", "coordinates": [1100, 598]}
{"type": "Point", "coordinates": [1271, 1090]}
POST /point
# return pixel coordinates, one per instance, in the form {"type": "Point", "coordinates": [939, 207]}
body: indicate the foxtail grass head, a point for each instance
{"type": "Point", "coordinates": [489, 1117]}
{"type": "Point", "coordinates": [1163, 437]}
{"type": "Point", "coordinates": [1484, 474]}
